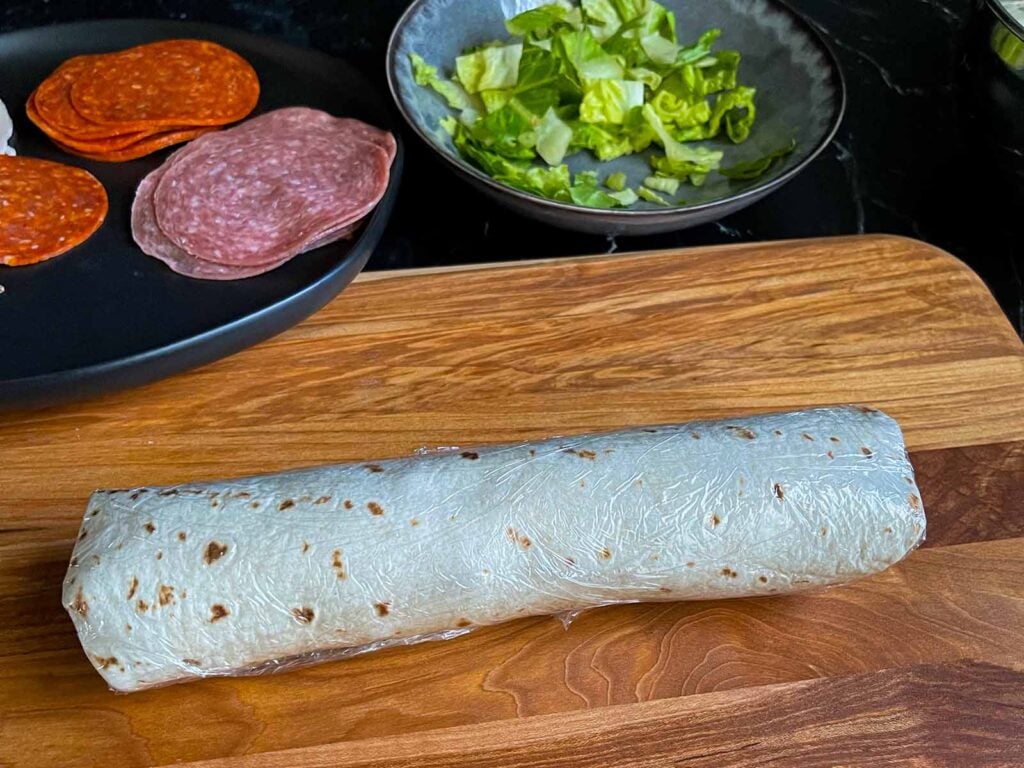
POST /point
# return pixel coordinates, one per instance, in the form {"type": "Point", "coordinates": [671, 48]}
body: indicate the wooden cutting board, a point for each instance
{"type": "Point", "coordinates": [924, 662]}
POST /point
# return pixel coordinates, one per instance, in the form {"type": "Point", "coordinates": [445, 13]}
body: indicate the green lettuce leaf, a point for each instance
{"type": "Point", "coordinates": [540, 22]}
{"type": "Point", "coordinates": [665, 184]}
{"type": "Point", "coordinates": [508, 132]}
{"type": "Point", "coordinates": [553, 138]}
{"type": "Point", "coordinates": [616, 181]}
{"type": "Point", "coordinates": [606, 142]}
{"type": "Point", "coordinates": [586, 191]}
{"type": "Point", "coordinates": [678, 155]}
{"type": "Point", "coordinates": [736, 108]}
{"type": "Point", "coordinates": [699, 50]}
{"type": "Point", "coordinates": [720, 75]}
{"type": "Point", "coordinates": [586, 58]}
{"type": "Point", "coordinates": [610, 101]}
{"type": "Point", "coordinates": [652, 197]}
{"type": "Point", "coordinates": [489, 68]}
{"type": "Point", "coordinates": [453, 93]}
{"type": "Point", "coordinates": [752, 169]}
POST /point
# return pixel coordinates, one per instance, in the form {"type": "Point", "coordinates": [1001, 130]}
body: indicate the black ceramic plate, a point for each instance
{"type": "Point", "coordinates": [105, 316]}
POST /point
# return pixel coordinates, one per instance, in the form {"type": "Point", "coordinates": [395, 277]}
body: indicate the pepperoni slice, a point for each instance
{"type": "Point", "coordinates": [51, 110]}
{"type": "Point", "coordinates": [145, 146]}
{"type": "Point", "coordinates": [45, 209]}
{"type": "Point", "coordinates": [169, 83]}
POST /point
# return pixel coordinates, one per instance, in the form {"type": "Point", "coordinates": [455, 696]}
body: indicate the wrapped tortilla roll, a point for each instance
{"type": "Point", "coordinates": [240, 576]}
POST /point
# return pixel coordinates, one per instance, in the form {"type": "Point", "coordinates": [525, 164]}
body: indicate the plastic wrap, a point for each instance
{"type": "Point", "coordinates": [6, 131]}
{"type": "Point", "coordinates": [256, 574]}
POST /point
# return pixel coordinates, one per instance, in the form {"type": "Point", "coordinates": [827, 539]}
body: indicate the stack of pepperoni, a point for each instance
{"type": "Point", "coordinates": [124, 105]}
{"type": "Point", "coordinates": [244, 201]}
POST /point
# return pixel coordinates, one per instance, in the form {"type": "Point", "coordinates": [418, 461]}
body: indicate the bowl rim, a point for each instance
{"type": "Point", "coordinates": [754, 192]}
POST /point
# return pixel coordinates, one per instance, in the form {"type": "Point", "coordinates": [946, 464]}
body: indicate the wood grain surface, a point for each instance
{"type": "Point", "coordinates": [529, 351]}
{"type": "Point", "coordinates": [967, 713]}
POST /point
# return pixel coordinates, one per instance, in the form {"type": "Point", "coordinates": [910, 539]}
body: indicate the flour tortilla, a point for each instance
{"type": "Point", "coordinates": [236, 577]}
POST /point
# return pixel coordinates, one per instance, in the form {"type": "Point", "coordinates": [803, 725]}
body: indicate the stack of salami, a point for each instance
{"type": "Point", "coordinates": [124, 105]}
{"type": "Point", "coordinates": [244, 201]}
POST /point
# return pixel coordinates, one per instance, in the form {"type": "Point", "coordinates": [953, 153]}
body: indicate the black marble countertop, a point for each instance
{"type": "Point", "coordinates": [905, 161]}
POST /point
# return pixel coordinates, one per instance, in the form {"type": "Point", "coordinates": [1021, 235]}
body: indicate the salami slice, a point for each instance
{"type": "Point", "coordinates": [169, 83]}
{"type": "Point", "coordinates": [46, 209]}
{"type": "Point", "coordinates": [268, 189]}
{"type": "Point", "coordinates": [151, 239]}
{"type": "Point", "coordinates": [153, 242]}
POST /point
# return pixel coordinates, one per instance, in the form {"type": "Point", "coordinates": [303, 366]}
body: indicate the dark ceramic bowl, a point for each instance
{"type": "Point", "coordinates": [800, 94]}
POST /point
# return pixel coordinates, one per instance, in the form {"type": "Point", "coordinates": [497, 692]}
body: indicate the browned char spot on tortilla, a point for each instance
{"type": "Point", "coordinates": [471, 455]}
{"type": "Point", "coordinates": [348, 504]}
{"type": "Point", "coordinates": [83, 534]}
{"type": "Point", "coordinates": [141, 606]}
{"type": "Point", "coordinates": [583, 454]}
{"type": "Point", "coordinates": [805, 436]}
{"type": "Point", "coordinates": [254, 504]}
{"type": "Point", "coordinates": [915, 503]}
{"type": "Point", "coordinates": [80, 606]}
{"type": "Point", "coordinates": [763, 579]}
{"type": "Point", "coordinates": [463, 623]}
{"type": "Point", "coordinates": [128, 629]}
{"type": "Point", "coordinates": [105, 662]}
{"type": "Point", "coordinates": [214, 551]}
{"type": "Point", "coordinates": [866, 409]}
{"type": "Point", "coordinates": [159, 554]}
{"type": "Point", "coordinates": [729, 572]}
{"type": "Point", "coordinates": [132, 587]}
{"type": "Point", "coordinates": [242, 494]}
{"type": "Point", "coordinates": [322, 500]}
{"type": "Point", "coordinates": [286, 504]}
{"type": "Point", "coordinates": [830, 454]}
{"type": "Point", "coordinates": [375, 508]}
{"type": "Point", "coordinates": [690, 564]}
{"type": "Point", "coordinates": [522, 540]}
{"type": "Point", "coordinates": [217, 612]}
{"type": "Point", "coordinates": [715, 520]}
{"type": "Point", "coordinates": [867, 451]}
{"type": "Point", "coordinates": [414, 522]}
{"type": "Point", "coordinates": [382, 608]}
{"type": "Point", "coordinates": [166, 594]}
{"type": "Point", "coordinates": [305, 547]}
{"type": "Point", "coordinates": [192, 662]}
{"type": "Point", "coordinates": [533, 452]}
{"type": "Point", "coordinates": [651, 431]}
{"type": "Point", "coordinates": [695, 434]}
{"type": "Point", "coordinates": [338, 565]}
{"type": "Point", "coordinates": [834, 439]}
{"type": "Point", "coordinates": [149, 527]}
{"type": "Point", "coordinates": [374, 468]}
{"type": "Point", "coordinates": [182, 535]}
{"type": "Point", "coordinates": [743, 432]}
{"type": "Point", "coordinates": [605, 553]}
{"type": "Point", "coordinates": [168, 492]}
{"type": "Point", "coordinates": [303, 615]}
{"type": "Point", "coordinates": [779, 492]}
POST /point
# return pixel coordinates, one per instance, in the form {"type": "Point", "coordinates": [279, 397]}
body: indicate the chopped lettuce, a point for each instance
{"type": "Point", "coordinates": [606, 77]}
{"type": "Point", "coordinates": [609, 101]}
{"type": "Point", "coordinates": [752, 169]}
{"type": "Point", "coordinates": [586, 191]}
{"type": "Point", "coordinates": [664, 184]}
{"type": "Point", "coordinates": [488, 68]}
{"type": "Point", "coordinates": [540, 22]}
{"type": "Point", "coordinates": [616, 181]}
{"type": "Point", "coordinates": [651, 196]}
{"type": "Point", "coordinates": [553, 138]}
{"type": "Point", "coordinates": [453, 93]}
